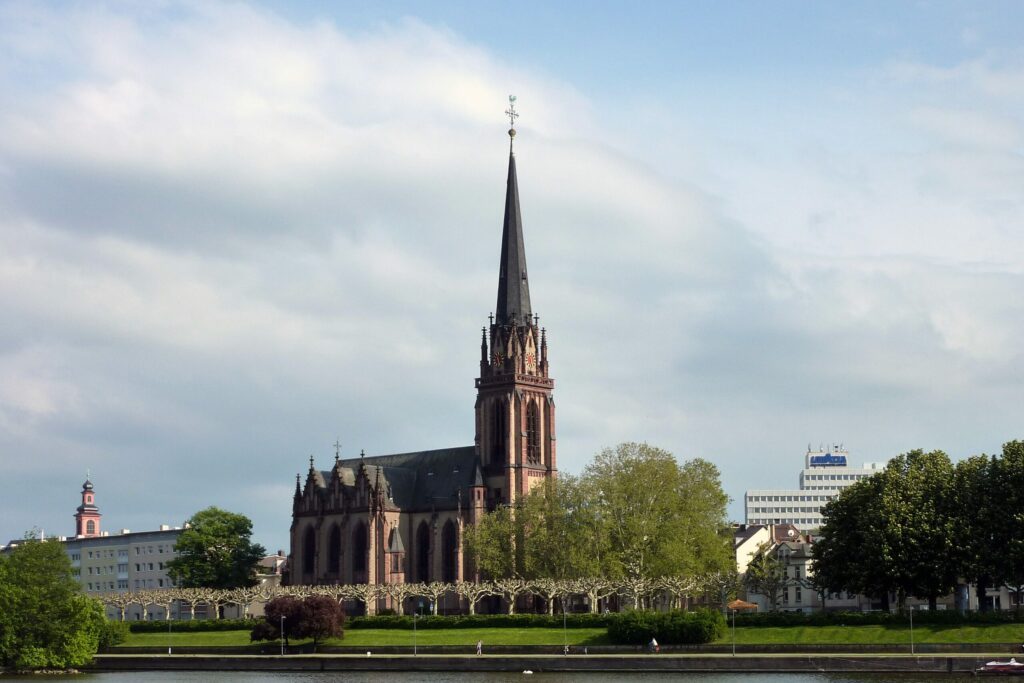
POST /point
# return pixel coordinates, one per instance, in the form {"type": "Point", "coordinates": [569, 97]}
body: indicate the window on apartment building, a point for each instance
{"type": "Point", "coordinates": [797, 595]}
{"type": "Point", "coordinates": [122, 584]}
{"type": "Point", "coordinates": [150, 566]}
{"type": "Point", "coordinates": [122, 568]}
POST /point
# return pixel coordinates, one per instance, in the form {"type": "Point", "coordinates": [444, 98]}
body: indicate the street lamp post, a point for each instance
{"type": "Point", "coordinates": [733, 632]}
{"type": "Point", "coordinates": [168, 630]}
{"type": "Point", "coordinates": [282, 635]}
{"type": "Point", "coordinates": [911, 630]}
{"type": "Point", "coordinates": [565, 633]}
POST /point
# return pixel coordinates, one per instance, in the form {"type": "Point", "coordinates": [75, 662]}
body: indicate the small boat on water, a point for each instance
{"type": "Point", "coordinates": [997, 668]}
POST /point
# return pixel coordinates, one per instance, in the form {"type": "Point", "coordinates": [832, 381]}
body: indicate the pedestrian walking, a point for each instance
{"type": "Point", "coordinates": [479, 647]}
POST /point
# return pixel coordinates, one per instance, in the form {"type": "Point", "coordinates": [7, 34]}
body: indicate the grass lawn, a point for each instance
{"type": "Point", "coordinates": [368, 637]}
{"type": "Point", "coordinates": [793, 635]}
{"type": "Point", "coordinates": [880, 635]}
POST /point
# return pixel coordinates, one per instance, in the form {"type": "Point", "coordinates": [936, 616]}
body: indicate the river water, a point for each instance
{"type": "Point", "coordinates": [433, 677]}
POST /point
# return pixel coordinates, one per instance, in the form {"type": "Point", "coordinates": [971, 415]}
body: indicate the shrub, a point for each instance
{"type": "Point", "coordinates": [669, 628]}
{"type": "Point", "coordinates": [113, 633]}
{"type": "Point", "coordinates": [951, 617]}
{"type": "Point", "coordinates": [481, 621]}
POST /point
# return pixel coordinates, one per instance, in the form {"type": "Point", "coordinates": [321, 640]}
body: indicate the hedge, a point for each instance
{"type": "Point", "coordinates": [951, 617]}
{"type": "Point", "coordinates": [480, 621]}
{"type": "Point", "coordinates": [191, 625]}
{"type": "Point", "coordinates": [668, 628]}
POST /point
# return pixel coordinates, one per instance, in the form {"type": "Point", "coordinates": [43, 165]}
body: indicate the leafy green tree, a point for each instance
{"type": "Point", "coordinates": [491, 544]}
{"type": "Point", "coordinates": [216, 551]}
{"type": "Point", "coordinates": [977, 519]}
{"type": "Point", "coordinates": [561, 531]}
{"type": "Point", "coordinates": [920, 534]}
{"type": "Point", "coordinates": [766, 575]}
{"type": "Point", "coordinates": [706, 539]}
{"type": "Point", "coordinates": [848, 555]}
{"type": "Point", "coordinates": [659, 519]}
{"type": "Point", "coordinates": [894, 532]}
{"type": "Point", "coordinates": [45, 620]}
{"type": "Point", "coordinates": [1006, 491]}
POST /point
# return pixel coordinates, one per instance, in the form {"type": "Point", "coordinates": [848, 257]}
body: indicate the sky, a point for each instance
{"type": "Point", "coordinates": [232, 234]}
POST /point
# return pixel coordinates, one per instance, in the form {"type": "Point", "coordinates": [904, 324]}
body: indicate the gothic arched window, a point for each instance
{"type": "Point", "coordinates": [309, 551]}
{"type": "Point", "coordinates": [533, 433]}
{"type": "Point", "coordinates": [359, 548]}
{"type": "Point", "coordinates": [334, 551]}
{"type": "Point", "coordinates": [499, 431]}
{"type": "Point", "coordinates": [450, 552]}
{"type": "Point", "coordinates": [423, 553]}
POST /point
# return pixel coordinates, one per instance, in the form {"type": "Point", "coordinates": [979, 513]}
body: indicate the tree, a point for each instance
{"type": "Point", "coordinates": [766, 575]}
{"type": "Point", "coordinates": [283, 611]}
{"type": "Point", "coordinates": [1007, 492]}
{"type": "Point", "coordinates": [320, 617]}
{"type": "Point", "coordinates": [919, 535]}
{"type": "Point", "coordinates": [848, 555]}
{"type": "Point", "coordinates": [45, 621]}
{"type": "Point", "coordinates": [893, 532]}
{"type": "Point", "coordinates": [490, 544]}
{"type": "Point", "coordinates": [215, 551]}
{"type": "Point", "coordinates": [977, 519]}
{"type": "Point", "coordinates": [560, 528]}
{"type": "Point", "coordinates": [315, 616]}
{"type": "Point", "coordinates": [659, 519]}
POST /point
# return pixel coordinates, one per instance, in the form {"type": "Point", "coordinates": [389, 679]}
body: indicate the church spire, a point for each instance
{"type": "Point", "coordinates": [513, 286]}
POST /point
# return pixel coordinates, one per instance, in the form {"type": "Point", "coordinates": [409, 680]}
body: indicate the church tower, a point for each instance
{"type": "Point", "coordinates": [515, 411]}
{"type": "Point", "coordinates": [87, 518]}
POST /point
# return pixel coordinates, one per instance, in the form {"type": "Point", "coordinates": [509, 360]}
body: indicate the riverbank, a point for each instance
{"type": "Point", "coordinates": [635, 663]}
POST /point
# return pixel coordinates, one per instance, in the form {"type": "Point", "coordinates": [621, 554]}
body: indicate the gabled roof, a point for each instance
{"type": "Point", "coordinates": [419, 480]}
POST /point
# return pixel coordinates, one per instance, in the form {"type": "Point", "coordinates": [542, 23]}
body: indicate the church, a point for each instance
{"type": "Point", "coordinates": [382, 519]}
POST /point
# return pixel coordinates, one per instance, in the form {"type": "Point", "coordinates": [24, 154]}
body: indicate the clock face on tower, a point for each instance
{"type": "Point", "coordinates": [531, 361]}
{"type": "Point", "coordinates": [497, 358]}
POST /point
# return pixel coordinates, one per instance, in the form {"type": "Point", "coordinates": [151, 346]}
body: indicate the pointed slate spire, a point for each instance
{"type": "Point", "coordinates": [513, 285]}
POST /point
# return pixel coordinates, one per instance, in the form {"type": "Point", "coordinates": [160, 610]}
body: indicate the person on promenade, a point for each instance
{"type": "Point", "coordinates": [479, 647]}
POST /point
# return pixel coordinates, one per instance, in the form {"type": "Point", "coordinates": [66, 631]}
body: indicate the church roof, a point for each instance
{"type": "Point", "coordinates": [513, 286]}
{"type": "Point", "coordinates": [418, 480]}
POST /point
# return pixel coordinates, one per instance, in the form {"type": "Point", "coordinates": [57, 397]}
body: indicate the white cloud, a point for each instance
{"type": "Point", "coordinates": [231, 238]}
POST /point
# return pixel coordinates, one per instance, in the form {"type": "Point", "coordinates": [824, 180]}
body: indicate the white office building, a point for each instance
{"type": "Point", "coordinates": [826, 472]}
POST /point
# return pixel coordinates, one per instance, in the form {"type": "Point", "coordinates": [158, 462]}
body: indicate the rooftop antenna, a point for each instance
{"type": "Point", "coordinates": [512, 116]}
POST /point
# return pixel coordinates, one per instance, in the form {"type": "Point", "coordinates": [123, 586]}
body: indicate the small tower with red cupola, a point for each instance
{"type": "Point", "coordinates": [87, 519]}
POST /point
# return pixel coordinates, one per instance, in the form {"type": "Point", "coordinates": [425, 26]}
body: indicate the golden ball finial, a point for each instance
{"type": "Point", "coordinates": [511, 132]}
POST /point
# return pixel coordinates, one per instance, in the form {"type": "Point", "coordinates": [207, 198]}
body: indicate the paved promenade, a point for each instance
{"type": "Point", "coordinates": [781, 663]}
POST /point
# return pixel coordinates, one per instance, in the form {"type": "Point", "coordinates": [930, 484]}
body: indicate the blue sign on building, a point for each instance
{"type": "Point", "coordinates": [828, 460]}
